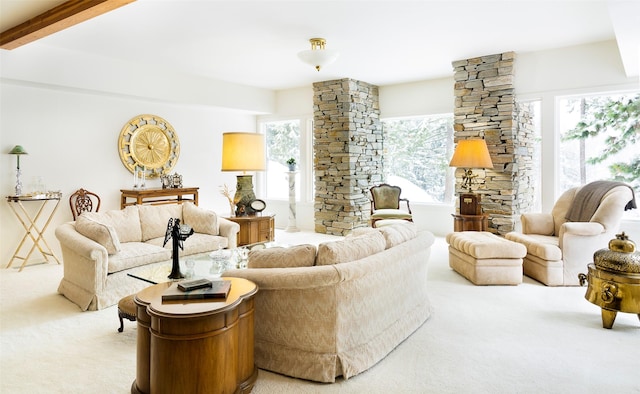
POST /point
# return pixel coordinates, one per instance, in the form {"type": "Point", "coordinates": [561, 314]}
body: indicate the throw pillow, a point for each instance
{"type": "Point", "coordinates": [126, 222]}
{"type": "Point", "coordinates": [350, 249]}
{"type": "Point", "coordinates": [293, 256]}
{"type": "Point", "coordinates": [398, 233]}
{"type": "Point", "coordinates": [154, 219]}
{"type": "Point", "coordinates": [360, 231]}
{"type": "Point", "coordinates": [102, 233]}
{"type": "Point", "coordinates": [201, 220]}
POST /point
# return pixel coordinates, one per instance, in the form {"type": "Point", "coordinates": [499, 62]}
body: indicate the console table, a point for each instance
{"type": "Point", "coordinates": [470, 222]}
{"type": "Point", "coordinates": [195, 346]}
{"type": "Point", "coordinates": [158, 196]}
{"type": "Point", "coordinates": [30, 225]}
{"type": "Point", "coordinates": [255, 229]}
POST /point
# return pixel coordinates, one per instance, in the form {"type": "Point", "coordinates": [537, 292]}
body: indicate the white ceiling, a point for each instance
{"type": "Point", "coordinates": [381, 42]}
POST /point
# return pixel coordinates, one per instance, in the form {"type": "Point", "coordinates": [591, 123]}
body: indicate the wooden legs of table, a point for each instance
{"type": "Point", "coordinates": [32, 231]}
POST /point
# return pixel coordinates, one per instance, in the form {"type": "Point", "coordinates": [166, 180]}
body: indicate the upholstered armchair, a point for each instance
{"type": "Point", "coordinates": [385, 204]}
{"type": "Point", "coordinates": [559, 249]}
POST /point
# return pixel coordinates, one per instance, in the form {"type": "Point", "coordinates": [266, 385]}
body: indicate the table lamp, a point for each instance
{"type": "Point", "coordinates": [472, 153]}
{"type": "Point", "coordinates": [18, 150]}
{"type": "Point", "coordinates": [243, 152]}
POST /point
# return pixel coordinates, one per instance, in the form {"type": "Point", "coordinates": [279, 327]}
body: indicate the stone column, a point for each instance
{"type": "Point", "coordinates": [347, 153]}
{"type": "Point", "coordinates": [292, 227]}
{"type": "Point", "coordinates": [485, 107]}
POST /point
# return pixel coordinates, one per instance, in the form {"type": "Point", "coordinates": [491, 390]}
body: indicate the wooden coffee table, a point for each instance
{"type": "Point", "coordinates": [197, 345]}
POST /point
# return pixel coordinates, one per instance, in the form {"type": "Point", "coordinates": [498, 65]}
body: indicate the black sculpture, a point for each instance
{"type": "Point", "coordinates": [178, 234]}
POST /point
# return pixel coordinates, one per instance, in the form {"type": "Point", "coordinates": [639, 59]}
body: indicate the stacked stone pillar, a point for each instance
{"type": "Point", "coordinates": [347, 153]}
{"type": "Point", "coordinates": [485, 107]}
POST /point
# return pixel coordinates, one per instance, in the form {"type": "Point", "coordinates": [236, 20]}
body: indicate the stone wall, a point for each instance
{"type": "Point", "coordinates": [485, 107]}
{"type": "Point", "coordinates": [347, 153]}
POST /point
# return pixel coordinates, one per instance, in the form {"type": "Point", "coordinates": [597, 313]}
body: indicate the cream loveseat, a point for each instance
{"type": "Point", "coordinates": [342, 310]}
{"type": "Point", "coordinates": [99, 249]}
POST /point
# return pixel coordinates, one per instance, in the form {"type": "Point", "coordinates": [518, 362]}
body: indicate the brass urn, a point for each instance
{"type": "Point", "coordinates": [614, 279]}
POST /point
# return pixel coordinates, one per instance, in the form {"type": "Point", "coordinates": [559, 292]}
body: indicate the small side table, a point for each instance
{"type": "Point", "coordinates": [470, 222]}
{"type": "Point", "coordinates": [196, 346]}
{"type": "Point", "coordinates": [255, 229]}
{"type": "Point", "coordinates": [30, 225]}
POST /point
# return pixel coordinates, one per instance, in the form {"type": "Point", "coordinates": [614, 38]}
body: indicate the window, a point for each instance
{"type": "Point", "coordinates": [417, 152]}
{"type": "Point", "coordinates": [283, 143]}
{"type": "Point", "coordinates": [598, 136]}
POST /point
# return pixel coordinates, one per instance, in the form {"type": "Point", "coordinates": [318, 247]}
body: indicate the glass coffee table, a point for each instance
{"type": "Point", "coordinates": [209, 265]}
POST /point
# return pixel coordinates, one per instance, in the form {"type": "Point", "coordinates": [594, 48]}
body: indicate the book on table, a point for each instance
{"type": "Point", "coordinates": [218, 289]}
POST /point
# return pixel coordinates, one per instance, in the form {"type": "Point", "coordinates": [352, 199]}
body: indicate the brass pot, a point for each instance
{"type": "Point", "coordinates": [614, 279]}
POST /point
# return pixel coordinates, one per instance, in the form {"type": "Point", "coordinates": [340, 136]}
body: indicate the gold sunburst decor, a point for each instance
{"type": "Point", "coordinates": [149, 143]}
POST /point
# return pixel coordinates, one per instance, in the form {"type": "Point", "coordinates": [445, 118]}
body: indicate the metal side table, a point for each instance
{"type": "Point", "coordinates": [30, 220]}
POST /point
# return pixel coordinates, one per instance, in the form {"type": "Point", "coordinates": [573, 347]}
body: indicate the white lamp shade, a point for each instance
{"type": "Point", "coordinates": [243, 152]}
{"type": "Point", "coordinates": [471, 154]}
{"type": "Point", "coordinates": [318, 58]}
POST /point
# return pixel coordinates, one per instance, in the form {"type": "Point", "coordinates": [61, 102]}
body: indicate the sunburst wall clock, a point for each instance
{"type": "Point", "coordinates": [149, 143]}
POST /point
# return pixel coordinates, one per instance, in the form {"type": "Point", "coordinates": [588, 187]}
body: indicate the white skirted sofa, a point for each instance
{"type": "Point", "coordinates": [340, 310]}
{"type": "Point", "coordinates": [100, 249]}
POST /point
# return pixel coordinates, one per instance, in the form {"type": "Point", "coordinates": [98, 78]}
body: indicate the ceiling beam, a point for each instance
{"type": "Point", "coordinates": [56, 19]}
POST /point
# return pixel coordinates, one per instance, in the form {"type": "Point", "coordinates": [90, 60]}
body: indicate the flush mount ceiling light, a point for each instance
{"type": "Point", "coordinates": [318, 56]}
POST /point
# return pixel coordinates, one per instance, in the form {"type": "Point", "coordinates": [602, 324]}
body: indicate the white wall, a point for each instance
{"type": "Point", "coordinates": [72, 141]}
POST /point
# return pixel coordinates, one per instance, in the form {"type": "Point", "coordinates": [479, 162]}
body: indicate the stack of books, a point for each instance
{"type": "Point", "coordinates": [197, 289]}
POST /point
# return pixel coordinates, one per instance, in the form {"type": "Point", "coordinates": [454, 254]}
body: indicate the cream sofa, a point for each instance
{"type": "Point", "coordinates": [100, 249]}
{"type": "Point", "coordinates": [342, 310]}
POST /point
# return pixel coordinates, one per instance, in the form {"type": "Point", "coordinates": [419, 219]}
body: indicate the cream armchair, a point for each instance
{"type": "Point", "coordinates": [558, 249]}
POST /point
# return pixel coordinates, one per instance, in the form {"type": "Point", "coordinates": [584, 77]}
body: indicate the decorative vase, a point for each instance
{"type": "Point", "coordinates": [244, 194]}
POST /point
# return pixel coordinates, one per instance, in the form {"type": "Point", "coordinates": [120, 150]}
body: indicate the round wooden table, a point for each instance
{"type": "Point", "coordinates": [196, 346]}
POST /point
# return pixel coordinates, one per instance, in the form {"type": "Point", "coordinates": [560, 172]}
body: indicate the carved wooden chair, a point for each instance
{"type": "Point", "coordinates": [385, 204]}
{"type": "Point", "coordinates": [83, 201]}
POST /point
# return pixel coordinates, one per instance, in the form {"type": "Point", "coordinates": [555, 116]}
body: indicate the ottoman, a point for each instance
{"type": "Point", "coordinates": [126, 310]}
{"type": "Point", "coordinates": [485, 258]}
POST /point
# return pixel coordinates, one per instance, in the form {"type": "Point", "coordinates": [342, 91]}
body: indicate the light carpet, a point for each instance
{"type": "Point", "coordinates": [480, 339]}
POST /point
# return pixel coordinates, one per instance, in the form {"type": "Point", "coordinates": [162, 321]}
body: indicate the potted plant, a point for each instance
{"type": "Point", "coordinates": [292, 164]}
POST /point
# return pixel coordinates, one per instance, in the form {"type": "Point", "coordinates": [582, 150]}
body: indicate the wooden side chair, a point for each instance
{"type": "Point", "coordinates": [83, 201]}
{"type": "Point", "coordinates": [385, 204]}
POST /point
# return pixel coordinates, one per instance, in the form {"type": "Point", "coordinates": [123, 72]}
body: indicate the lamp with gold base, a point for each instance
{"type": "Point", "coordinates": [472, 153]}
{"type": "Point", "coordinates": [243, 152]}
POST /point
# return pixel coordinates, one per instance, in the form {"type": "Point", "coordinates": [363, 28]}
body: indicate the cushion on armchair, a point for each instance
{"type": "Point", "coordinates": [390, 213]}
{"type": "Point", "coordinates": [537, 223]}
{"type": "Point", "coordinates": [543, 246]}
